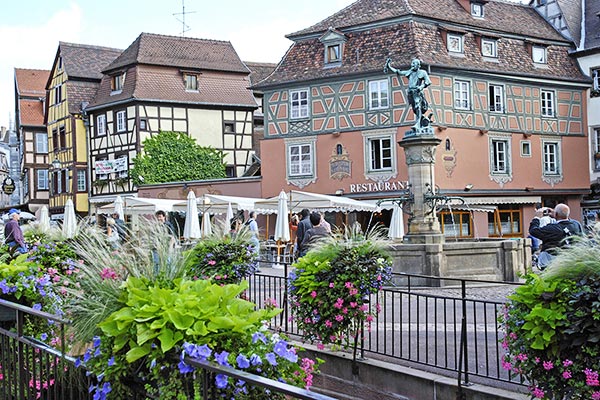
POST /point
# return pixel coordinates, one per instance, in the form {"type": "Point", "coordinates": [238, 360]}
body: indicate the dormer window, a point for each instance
{"type": "Point", "coordinates": [117, 82]}
{"type": "Point", "coordinates": [477, 10]}
{"type": "Point", "coordinates": [333, 45]}
{"type": "Point", "coordinates": [455, 43]}
{"type": "Point", "coordinates": [538, 54]}
{"type": "Point", "coordinates": [489, 48]}
{"type": "Point", "coordinates": [191, 82]}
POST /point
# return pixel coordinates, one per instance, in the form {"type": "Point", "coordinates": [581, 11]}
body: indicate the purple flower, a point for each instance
{"type": "Point", "coordinates": [222, 358]}
{"type": "Point", "coordinates": [37, 306]}
{"type": "Point", "coordinates": [96, 341]}
{"type": "Point", "coordinates": [280, 348]}
{"type": "Point", "coordinates": [242, 361]}
{"type": "Point", "coordinates": [77, 362]}
{"type": "Point", "coordinates": [271, 359]}
{"type": "Point", "coordinates": [111, 361]}
{"type": "Point", "coordinates": [184, 368]}
{"type": "Point", "coordinates": [221, 381]}
{"type": "Point", "coordinates": [259, 336]}
{"type": "Point", "coordinates": [87, 356]}
{"type": "Point", "coordinates": [44, 336]}
{"type": "Point", "coordinates": [255, 360]}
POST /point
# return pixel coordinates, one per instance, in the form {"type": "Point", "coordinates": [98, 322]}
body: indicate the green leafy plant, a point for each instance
{"type": "Point", "coordinates": [332, 283]}
{"type": "Point", "coordinates": [551, 326]}
{"type": "Point", "coordinates": [175, 156]}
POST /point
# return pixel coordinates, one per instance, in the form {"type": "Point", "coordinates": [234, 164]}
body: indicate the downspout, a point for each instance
{"type": "Point", "coordinates": [86, 123]}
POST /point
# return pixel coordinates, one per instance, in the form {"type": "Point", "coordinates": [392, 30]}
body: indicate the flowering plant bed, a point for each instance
{"type": "Point", "coordinates": [552, 327]}
{"type": "Point", "coordinates": [331, 287]}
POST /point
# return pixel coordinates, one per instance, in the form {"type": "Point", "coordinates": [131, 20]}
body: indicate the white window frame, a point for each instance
{"type": "Point", "coordinates": [101, 125]}
{"type": "Point", "coordinates": [379, 94]}
{"type": "Point", "coordinates": [58, 189]}
{"type": "Point", "coordinates": [121, 121]}
{"type": "Point", "coordinates": [596, 161]}
{"type": "Point", "coordinates": [489, 44]}
{"type": "Point", "coordinates": [191, 82]}
{"type": "Point", "coordinates": [500, 160]}
{"type": "Point", "coordinates": [380, 151]}
{"type": "Point", "coordinates": [595, 73]}
{"type": "Point", "coordinates": [330, 49]}
{"type": "Point", "coordinates": [299, 104]}
{"type": "Point", "coordinates": [496, 100]}
{"type": "Point", "coordinates": [81, 180]}
{"type": "Point", "coordinates": [300, 159]}
{"type": "Point", "coordinates": [117, 83]}
{"type": "Point", "coordinates": [455, 38]}
{"type": "Point", "coordinates": [462, 94]}
{"type": "Point", "coordinates": [477, 9]}
{"type": "Point", "coordinates": [41, 142]}
{"type": "Point", "coordinates": [525, 148]}
{"type": "Point", "coordinates": [41, 179]}
{"type": "Point", "coordinates": [551, 158]}
{"type": "Point", "coordinates": [547, 106]}
{"type": "Point", "coordinates": [539, 54]}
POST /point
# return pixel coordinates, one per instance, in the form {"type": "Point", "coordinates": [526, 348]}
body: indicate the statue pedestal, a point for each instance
{"type": "Point", "coordinates": [419, 148]}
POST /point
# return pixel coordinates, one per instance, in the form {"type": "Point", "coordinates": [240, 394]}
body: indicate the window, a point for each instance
{"type": "Point", "coordinates": [551, 158]}
{"type": "Point", "coordinates": [596, 79]}
{"type": "Point", "coordinates": [455, 43]}
{"type": "Point", "coordinates": [500, 157]}
{"type": "Point", "coordinates": [57, 94]}
{"type": "Point", "coordinates": [489, 48]}
{"type": "Point", "coordinates": [81, 180]}
{"type": "Point", "coordinates": [300, 159]}
{"type": "Point", "coordinates": [456, 224]}
{"type": "Point", "coordinates": [60, 64]}
{"type": "Point", "coordinates": [538, 54]}
{"type": "Point", "coordinates": [525, 148]}
{"type": "Point", "coordinates": [143, 124]}
{"type": "Point", "coordinates": [378, 94]}
{"type": "Point", "coordinates": [506, 221]}
{"type": "Point", "coordinates": [496, 98]}
{"type": "Point", "coordinates": [41, 179]}
{"type": "Point", "coordinates": [477, 10]}
{"type": "Point", "coordinates": [299, 103]}
{"type": "Point", "coordinates": [462, 95]}
{"type": "Point", "coordinates": [596, 155]}
{"type": "Point", "coordinates": [121, 121]}
{"type": "Point", "coordinates": [58, 187]}
{"type": "Point", "coordinates": [547, 103]}
{"type": "Point", "coordinates": [229, 127]}
{"type": "Point", "coordinates": [65, 181]}
{"type": "Point", "coordinates": [62, 135]}
{"type": "Point", "coordinates": [333, 53]}
{"type": "Point", "coordinates": [41, 142]}
{"type": "Point", "coordinates": [117, 83]}
{"type": "Point", "coordinates": [380, 154]}
{"type": "Point", "coordinates": [101, 125]}
{"type": "Point", "coordinates": [191, 82]}
{"type": "Point", "coordinates": [55, 143]}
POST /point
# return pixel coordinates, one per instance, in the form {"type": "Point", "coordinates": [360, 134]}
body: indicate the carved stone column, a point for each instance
{"type": "Point", "coordinates": [423, 226]}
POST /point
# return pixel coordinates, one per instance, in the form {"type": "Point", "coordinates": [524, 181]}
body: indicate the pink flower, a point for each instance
{"type": "Point", "coordinates": [331, 284]}
{"type": "Point", "coordinates": [348, 284]}
{"type": "Point", "coordinates": [344, 310]}
{"type": "Point", "coordinates": [566, 374]}
{"type": "Point", "coordinates": [369, 318]}
{"type": "Point", "coordinates": [596, 396]}
{"type": "Point", "coordinates": [538, 393]}
{"type": "Point", "coordinates": [339, 318]}
{"type": "Point", "coordinates": [522, 357]}
{"type": "Point", "coordinates": [108, 273]}
{"type": "Point", "coordinates": [548, 365]}
{"type": "Point", "coordinates": [506, 365]}
{"type": "Point", "coordinates": [567, 363]}
{"type": "Point", "coordinates": [339, 303]}
{"type": "Point", "coordinates": [353, 304]}
{"type": "Point", "coordinates": [591, 377]}
{"type": "Point", "coordinates": [364, 308]}
{"type": "Point", "coordinates": [353, 291]}
{"type": "Point", "coordinates": [212, 262]}
{"type": "Point", "coordinates": [313, 294]}
{"type": "Point", "coordinates": [378, 277]}
{"type": "Point", "coordinates": [320, 346]}
{"type": "Point", "coordinates": [52, 271]}
{"type": "Point", "coordinates": [328, 324]}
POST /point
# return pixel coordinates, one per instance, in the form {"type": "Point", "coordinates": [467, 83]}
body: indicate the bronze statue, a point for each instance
{"type": "Point", "coordinates": [418, 80]}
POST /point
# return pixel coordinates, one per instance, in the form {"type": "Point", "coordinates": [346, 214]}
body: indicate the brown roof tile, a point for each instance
{"type": "Point", "coordinates": [31, 82]}
{"type": "Point", "coordinates": [259, 71]}
{"type": "Point", "coordinates": [182, 52]}
{"type": "Point", "coordinates": [85, 61]}
{"type": "Point", "coordinates": [500, 16]}
{"type": "Point", "coordinates": [31, 113]}
{"type": "Point", "coordinates": [592, 24]}
{"type": "Point", "coordinates": [79, 92]}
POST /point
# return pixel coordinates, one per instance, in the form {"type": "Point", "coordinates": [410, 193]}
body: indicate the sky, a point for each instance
{"type": "Point", "coordinates": [30, 30]}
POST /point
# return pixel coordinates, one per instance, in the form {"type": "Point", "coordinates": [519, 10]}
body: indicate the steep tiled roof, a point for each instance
{"type": "Point", "coordinates": [259, 71]}
{"type": "Point", "coordinates": [85, 61]}
{"type": "Point", "coordinates": [500, 16]}
{"type": "Point", "coordinates": [31, 82]}
{"type": "Point", "coordinates": [180, 52]}
{"type": "Point", "coordinates": [148, 83]}
{"type": "Point", "coordinates": [31, 113]}
{"type": "Point", "coordinates": [366, 52]}
{"type": "Point", "coordinates": [80, 92]}
{"type": "Point", "coordinates": [592, 24]}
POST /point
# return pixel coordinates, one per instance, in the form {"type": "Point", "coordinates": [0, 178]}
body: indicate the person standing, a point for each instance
{"type": "Point", "coordinates": [112, 233]}
{"type": "Point", "coordinates": [253, 227]}
{"type": "Point", "coordinates": [120, 226]}
{"type": "Point", "coordinates": [13, 235]}
{"type": "Point", "coordinates": [303, 226]}
{"type": "Point", "coordinates": [161, 217]}
{"type": "Point", "coordinates": [317, 231]}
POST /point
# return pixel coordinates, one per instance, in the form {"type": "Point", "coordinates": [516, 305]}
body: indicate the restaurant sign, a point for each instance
{"type": "Point", "coordinates": [378, 187]}
{"type": "Point", "coordinates": [102, 167]}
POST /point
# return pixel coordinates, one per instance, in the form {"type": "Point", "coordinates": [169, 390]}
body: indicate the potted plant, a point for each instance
{"type": "Point", "coordinates": [551, 329]}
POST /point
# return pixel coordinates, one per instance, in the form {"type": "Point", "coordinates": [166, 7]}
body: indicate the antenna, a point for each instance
{"type": "Point", "coordinates": [184, 27]}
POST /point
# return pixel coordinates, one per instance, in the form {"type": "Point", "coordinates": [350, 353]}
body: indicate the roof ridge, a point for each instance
{"type": "Point", "coordinates": [88, 46]}
{"type": "Point", "coordinates": [183, 37]}
{"type": "Point", "coordinates": [31, 69]}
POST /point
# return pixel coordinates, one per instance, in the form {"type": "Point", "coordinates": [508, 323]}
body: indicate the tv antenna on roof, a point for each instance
{"type": "Point", "coordinates": [184, 27]}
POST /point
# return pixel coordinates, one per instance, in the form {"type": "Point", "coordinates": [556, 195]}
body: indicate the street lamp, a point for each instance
{"type": "Point", "coordinates": [56, 163]}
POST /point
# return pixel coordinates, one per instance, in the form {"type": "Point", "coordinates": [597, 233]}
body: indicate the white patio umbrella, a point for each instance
{"type": "Point", "coordinates": [69, 220]}
{"type": "Point", "coordinates": [119, 207]}
{"type": "Point", "coordinates": [396, 230]}
{"type": "Point", "coordinates": [44, 219]}
{"type": "Point", "coordinates": [206, 226]}
{"type": "Point", "coordinates": [191, 230]}
{"type": "Point", "coordinates": [282, 227]}
{"type": "Point", "coordinates": [229, 214]}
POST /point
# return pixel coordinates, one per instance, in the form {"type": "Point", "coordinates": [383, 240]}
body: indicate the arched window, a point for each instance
{"type": "Point", "coordinates": [447, 144]}
{"type": "Point", "coordinates": [338, 149]}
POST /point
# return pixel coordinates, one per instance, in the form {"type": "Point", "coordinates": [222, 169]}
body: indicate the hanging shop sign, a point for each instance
{"type": "Point", "coordinates": [8, 185]}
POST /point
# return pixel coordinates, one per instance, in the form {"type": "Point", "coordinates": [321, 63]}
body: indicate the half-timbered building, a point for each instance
{"type": "Point", "coordinates": [72, 85]}
{"type": "Point", "coordinates": [166, 83]}
{"type": "Point", "coordinates": [507, 101]}
{"type": "Point", "coordinates": [30, 106]}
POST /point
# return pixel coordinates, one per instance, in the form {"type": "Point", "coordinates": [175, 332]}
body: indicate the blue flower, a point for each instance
{"type": "Point", "coordinates": [97, 352]}
{"type": "Point", "coordinates": [184, 368]}
{"type": "Point", "coordinates": [259, 336]}
{"type": "Point", "coordinates": [77, 362]}
{"type": "Point", "coordinates": [255, 360]}
{"type": "Point", "coordinates": [271, 358]}
{"type": "Point", "coordinates": [96, 341]}
{"type": "Point", "coordinates": [111, 361]}
{"type": "Point", "coordinates": [44, 336]}
{"type": "Point", "coordinates": [87, 356]}
{"type": "Point", "coordinates": [242, 361]}
{"type": "Point", "coordinates": [221, 381]}
{"type": "Point", "coordinates": [222, 358]}
{"type": "Point", "coordinates": [280, 348]}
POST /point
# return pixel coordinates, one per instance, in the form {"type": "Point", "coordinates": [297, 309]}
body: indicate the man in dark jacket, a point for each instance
{"type": "Point", "coordinates": [303, 226]}
{"type": "Point", "coordinates": [318, 230]}
{"type": "Point", "coordinates": [557, 234]}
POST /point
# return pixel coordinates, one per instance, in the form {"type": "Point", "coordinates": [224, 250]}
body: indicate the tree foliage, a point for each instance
{"type": "Point", "coordinates": [174, 157]}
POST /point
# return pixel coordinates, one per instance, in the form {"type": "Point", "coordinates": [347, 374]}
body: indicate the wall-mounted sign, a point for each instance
{"type": "Point", "coordinates": [378, 187]}
{"type": "Point", "coordinates": [8, 186]}
{"type": "Point", "coordinates": [109, 166]}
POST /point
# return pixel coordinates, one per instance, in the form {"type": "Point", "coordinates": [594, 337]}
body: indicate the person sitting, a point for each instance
{"type": "Point", "coordinates": [311, 236]}
{"type": "Point", "coordinates": [13, 235]}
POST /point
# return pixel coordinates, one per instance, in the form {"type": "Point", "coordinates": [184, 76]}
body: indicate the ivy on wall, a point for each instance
{"type": "Point", "coordinates": [175, 157]}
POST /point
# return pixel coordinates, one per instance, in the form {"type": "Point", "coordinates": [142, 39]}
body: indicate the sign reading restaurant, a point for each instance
{"type": "Point", "coordinates": [378, 187]}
